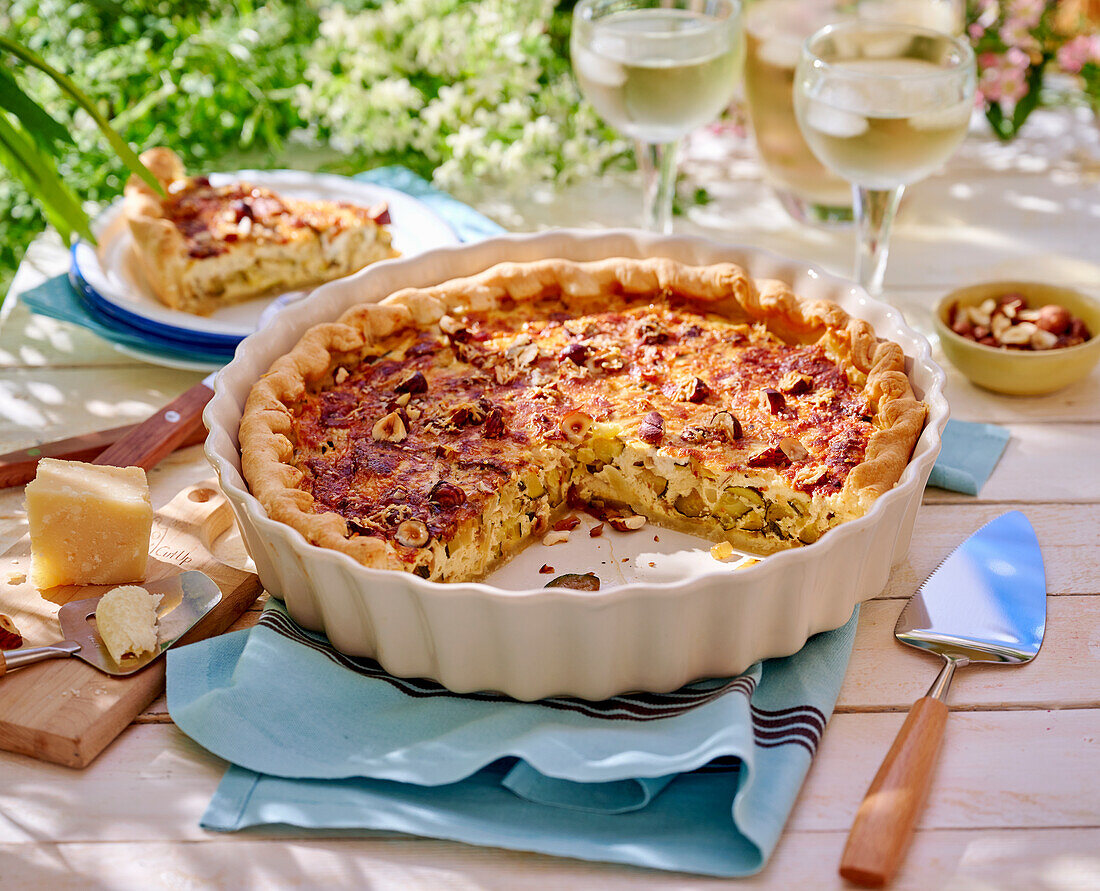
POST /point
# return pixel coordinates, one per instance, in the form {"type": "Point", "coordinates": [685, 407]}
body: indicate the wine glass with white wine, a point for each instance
{"type": "Point", "coordinates": [656, 70]}
{"type": "Point", "coordinates": [882, 105]}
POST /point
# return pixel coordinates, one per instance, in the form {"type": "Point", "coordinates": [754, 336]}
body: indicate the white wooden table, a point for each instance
{"type": "Point", "coordinates": [1016, 800]}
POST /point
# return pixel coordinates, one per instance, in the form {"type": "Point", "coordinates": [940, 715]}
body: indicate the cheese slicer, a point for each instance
{"type": "Point", "coordinates": [185, 599]}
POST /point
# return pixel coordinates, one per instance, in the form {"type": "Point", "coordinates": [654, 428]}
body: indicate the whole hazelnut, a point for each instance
{"type": "Point", "coordinates": [1053, 318]}
{"type": "Point", "coordinates": [1078, 329]}
{"type": "Point", "coordinates": [414, 383]}
{"type": "Point", "coordinates": [652, 428]}
{"type": "Point", "coordinates": [447, 495]}
{"type": "Point", "coordinates": [575, 353]}
{"type": "Point", "coordinates": [10, 638]}
{"type": "Point", "coordinates": [963, 327]}
{"type": "Point", "coordinates": [412, 534]}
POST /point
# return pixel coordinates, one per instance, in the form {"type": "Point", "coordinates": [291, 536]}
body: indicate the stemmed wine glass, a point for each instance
{"type": "Point", "coordinates": [656, 70]}
{"type": "Point", "coordinates": [883, 105]}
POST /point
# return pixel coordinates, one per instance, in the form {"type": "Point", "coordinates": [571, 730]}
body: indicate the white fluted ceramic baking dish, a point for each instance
{"type": "Point", "coordinates": [669, 613]}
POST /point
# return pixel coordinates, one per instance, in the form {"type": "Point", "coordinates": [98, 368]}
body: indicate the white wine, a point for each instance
{"type": "Point", "coordinates": [946, 16]}
{"type": "Point", "coordinates": [657, 74]}
{"type": "Point", "coordinates": [883, 122]}
{"type": "Point", "coordinates": [775, 30]}
{"type": "Point", "coordinates": [883, 105]}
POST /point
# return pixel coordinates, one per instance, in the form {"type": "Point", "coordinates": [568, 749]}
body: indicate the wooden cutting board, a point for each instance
{"type": "Point", "coordinates": [65, 711]}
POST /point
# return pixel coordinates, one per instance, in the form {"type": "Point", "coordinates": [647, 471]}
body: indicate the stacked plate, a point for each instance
{"type": "Point", "coordinates": [118, 298]}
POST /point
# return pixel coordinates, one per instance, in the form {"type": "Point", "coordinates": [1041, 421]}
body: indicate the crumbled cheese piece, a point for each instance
{"type": "Point", "coordinates": [126, 619]}
{"type": "Point", "coordinates": [89, 523]}
{"type": "Point", "coordinates": [722, 550]}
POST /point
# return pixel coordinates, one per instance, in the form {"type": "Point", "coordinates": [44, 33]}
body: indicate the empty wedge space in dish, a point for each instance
{"type": "Point", "coordinates": [699, 619]}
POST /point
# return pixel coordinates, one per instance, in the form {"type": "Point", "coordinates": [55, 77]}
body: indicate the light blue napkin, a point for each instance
{"type": "Point", "coordinates": [700, 780]}
{"type": "Point", "coordinates": [469, 224]}
{"type": "Point", "coordinates": [968, 455]}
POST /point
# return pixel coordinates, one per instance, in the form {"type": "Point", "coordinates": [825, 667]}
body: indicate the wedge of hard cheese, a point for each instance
{"type": "Point", "coordinates": [89, 523]}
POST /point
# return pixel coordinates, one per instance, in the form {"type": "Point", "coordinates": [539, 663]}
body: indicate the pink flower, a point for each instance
{"type": "Point", "coordinates": [1083, 48]}
{"type": "Point", "coordinates": [1028, 12]}
{"type": "Point", "coordinates": [1016, 32]}
{"type": "Point", "coordinates": [1003, 78]}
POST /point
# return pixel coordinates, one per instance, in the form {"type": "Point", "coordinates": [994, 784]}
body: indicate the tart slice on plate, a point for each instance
{"type": "Point", "coordinates": [203, 247]}
{"type": "Point", "coordinates": [439, 431]}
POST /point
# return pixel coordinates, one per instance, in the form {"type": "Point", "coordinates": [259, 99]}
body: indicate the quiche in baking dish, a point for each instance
{"type": "Point", "coordinates": [202, 247]}
{"type": "Point", "coordinates": [442, 429]}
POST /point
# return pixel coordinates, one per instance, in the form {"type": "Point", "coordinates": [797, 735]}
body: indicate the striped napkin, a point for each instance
{"type": "Point", "coordinates": [698, 780]}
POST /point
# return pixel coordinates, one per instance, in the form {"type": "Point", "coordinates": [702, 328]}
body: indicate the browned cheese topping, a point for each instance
{"type": "Point", "coordinates": [212, 217]}
{"type": "Point", "coordinates": [411, 443]}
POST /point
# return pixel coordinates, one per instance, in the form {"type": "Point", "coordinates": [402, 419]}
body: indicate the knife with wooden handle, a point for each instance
{"type": "Point", "coordinates": [143, 445]}
{"type": "Point", "coordinates": [151, 440]}
{"type": "Point", "coordinates": [18, 467]}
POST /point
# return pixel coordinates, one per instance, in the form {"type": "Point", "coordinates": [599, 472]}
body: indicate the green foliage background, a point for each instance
{"type": "Point", "coordinates": [209, 78]}
{"type": "Point", "coordinates": [213, 79]}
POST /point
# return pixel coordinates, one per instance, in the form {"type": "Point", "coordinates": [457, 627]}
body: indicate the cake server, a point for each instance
{"type": "Point", "coordinates": [185, 599]}
{"type": "Point", "coordinates": [985, 603]}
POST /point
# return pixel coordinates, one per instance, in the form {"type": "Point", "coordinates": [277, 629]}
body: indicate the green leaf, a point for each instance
{"type": "Point", "coordinates": [1001, 125]}
{"type": "Point", "coordinates": [124, 152]}
{"type": "Point", "coordinates": [33, 116]}
{"type": "Point", "coordinates": [1030, 101]}
{"type": "Point", "coordinates": [36, 170]}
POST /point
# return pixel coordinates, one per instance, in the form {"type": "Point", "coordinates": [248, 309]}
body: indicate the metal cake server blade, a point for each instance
{"type": "Point", "coordinates": [985, 603]}
{"type": "Point", "coordinates": [185, 599]}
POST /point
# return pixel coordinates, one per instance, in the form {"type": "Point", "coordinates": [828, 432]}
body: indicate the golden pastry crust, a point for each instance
{"type": "Point", "coordinates": [203, 247]}
{"type": "Point", "coordinates": [440, 430]}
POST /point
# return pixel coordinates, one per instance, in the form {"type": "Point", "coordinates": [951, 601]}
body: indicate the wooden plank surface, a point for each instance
{"type": "Point", "coordinates": [985, 779]}
{"type": "Point", "coordinates": [951, 860]}
{"type": "Point", "coordinates": [1014, 799]}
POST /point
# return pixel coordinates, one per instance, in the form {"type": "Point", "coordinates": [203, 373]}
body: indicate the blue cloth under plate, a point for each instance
{"type": "Point", "coordinates": [968, 455]}
{"type": "Point", "coordinates": [701, 780]}
{"type": "Point", "coordinates": [57, 299]}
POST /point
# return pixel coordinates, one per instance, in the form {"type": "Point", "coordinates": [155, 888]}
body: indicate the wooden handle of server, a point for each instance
{"type": "Point", "coordinates": [888, 815]}
{"type": "Point", "coordinates": [151, 440]}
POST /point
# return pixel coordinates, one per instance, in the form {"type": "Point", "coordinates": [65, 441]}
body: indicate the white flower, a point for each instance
{"type": "Point", "coordinates": [474, 86]}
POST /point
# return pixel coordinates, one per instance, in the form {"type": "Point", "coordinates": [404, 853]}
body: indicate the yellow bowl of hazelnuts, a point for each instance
{"type": "Point", "coordinates": [1021, 338]}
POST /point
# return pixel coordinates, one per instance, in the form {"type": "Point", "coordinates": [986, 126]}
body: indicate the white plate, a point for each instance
{"type": "Point", "coordinates": [114, 273]}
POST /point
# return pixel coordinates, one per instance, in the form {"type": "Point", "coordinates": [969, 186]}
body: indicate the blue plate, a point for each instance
{"type": "Point", "coordinates": [152, 331]}
{"type": "Point", "coordinates": [171, 351]}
